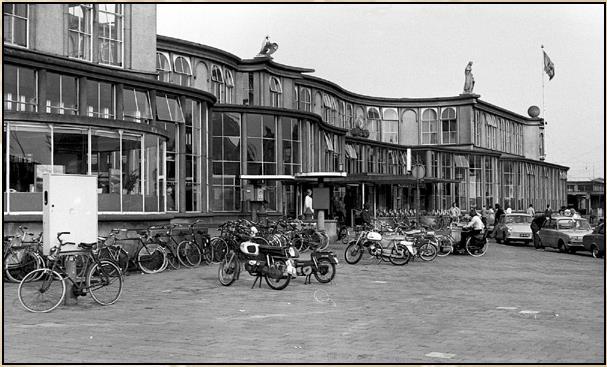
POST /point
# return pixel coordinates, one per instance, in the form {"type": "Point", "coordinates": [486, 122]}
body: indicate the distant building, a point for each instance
{"type": "Point", "coordinates": [587, 197]}
{"type": "Point", "coordinates": [177, 130]}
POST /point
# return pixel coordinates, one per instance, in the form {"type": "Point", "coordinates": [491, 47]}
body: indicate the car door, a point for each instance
{"type": "Point", "coordinates": [547, 233]}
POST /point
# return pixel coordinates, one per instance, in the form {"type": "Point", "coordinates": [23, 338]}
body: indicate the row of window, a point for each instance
{"type": "Point", "coordinates": [95, 32]}
{"type": "Point", "coordinates": [22, 88]}
{"type": "Point", "coordinates": [501, 134]}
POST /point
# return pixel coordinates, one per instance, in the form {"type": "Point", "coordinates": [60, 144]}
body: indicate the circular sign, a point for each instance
{"type": "Point", "coordinates": [419, 171]}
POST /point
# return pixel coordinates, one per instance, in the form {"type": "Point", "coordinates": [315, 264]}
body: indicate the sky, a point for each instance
{"type": "Point", "coordinates": [421, 50]}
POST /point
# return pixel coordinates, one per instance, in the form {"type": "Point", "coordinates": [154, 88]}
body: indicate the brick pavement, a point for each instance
{"type": "Point", "coordinates": [514, 305]}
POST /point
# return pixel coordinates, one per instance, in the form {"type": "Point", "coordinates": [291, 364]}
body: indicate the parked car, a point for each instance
{"type": "Point", "coordinates": [564, 233]}
{"type": "Point", "coordinates": [595, 242]}
{"type": "Point", "coordinates": [514, 227]}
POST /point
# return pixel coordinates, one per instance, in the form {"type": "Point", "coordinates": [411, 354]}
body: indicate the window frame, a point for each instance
{"type": "Point", "coordinates": [275, 91]}
{"type": "Point", "coordinates": [164, 75]}
{"type": "Point", "coordinates": [80, 33]}
{"type": "Point", "coordinates": [182, 75]}
{"type": "Point", "coordinates": [99, 38]}
{"type": "Point", "coordinates": [12, 25]}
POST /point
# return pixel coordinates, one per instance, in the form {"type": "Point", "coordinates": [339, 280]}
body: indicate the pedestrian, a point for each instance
{"type": "Point", "coordinates": [531, 211]}
{"type": "Point", "coordinates": [490, 216]}
{"type": "Point", "coordinates": [365, 216]}
{"type": "Point", "coordinates": [455, 213]}
{"type": "Point", "coordinates": [484, 215]}
{"type": "Point", "coordinates": [499, 212]}
{"type": "Point", "coordinates": [548, 211]}
{"type": "Point", "coordinates": [340, 209]}
{"type": "Point", "coordinates": [536, 224]}
{"type": "Point", "coordinates": [308, 210]}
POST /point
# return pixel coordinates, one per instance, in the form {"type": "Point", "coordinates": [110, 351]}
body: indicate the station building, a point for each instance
{"type": "Point", "coordinates": [179, 131]}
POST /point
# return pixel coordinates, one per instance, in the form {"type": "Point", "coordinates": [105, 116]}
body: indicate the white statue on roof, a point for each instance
{"type": "Point", "coordinates": [267, 48]}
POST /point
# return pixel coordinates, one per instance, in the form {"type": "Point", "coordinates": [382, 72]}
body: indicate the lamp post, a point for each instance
{"type": "Point", "coordinates": [419, 171]}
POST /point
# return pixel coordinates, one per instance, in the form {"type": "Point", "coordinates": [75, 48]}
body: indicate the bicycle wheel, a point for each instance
{"type": "Point", "coordinates": [151, 258]}
{"type": "Point", "coordinates": [474, 249]}
{"type": "Point", "coordinates": [189, 254]}
{"type": "Point", "coordinates": [279, 279]}
{"type": "Point", "coordinates": [220, 249]}
{"type": "Point", "coordinates": [42, 290]}
{"type": "Point", "coordinates": [354, 252]}
{"type": "Point", "coordinates": [104, 282]}
{"type": "Point", "coordinates": [445, 246]}
{"type": "Point", "coordinates": [16, 271]}
{"type": "Point", "coordinates": [117, 255]}
{"type": "Point", "coordinates": [400, 255]}
{"type": "Point", "coordinates": [228, 269]}
{"type": "Point", "coordinates": [300, 244]}
{"type": "Point", "coordinates": [325, 272]}
{"type": "Point", "coordinates": [428, 251]}
{"type": "Point", "coordinates": [324, 240]}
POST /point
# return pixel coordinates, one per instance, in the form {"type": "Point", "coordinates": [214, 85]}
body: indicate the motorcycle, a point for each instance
{"type": "Point", "coordinates": [371, 241]}
{"type": "Point", "coordinates": [274, 264]}
{"type": "Point", "coordinates": [422, 244]}
{"type": "Point", "coordinates": [322, 265]}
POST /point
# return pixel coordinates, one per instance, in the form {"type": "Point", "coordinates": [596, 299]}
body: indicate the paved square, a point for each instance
{"type": "Point", "coordinates": [513, 305]}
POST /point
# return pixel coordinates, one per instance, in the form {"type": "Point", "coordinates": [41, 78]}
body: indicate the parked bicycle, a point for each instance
{"type": "Point", "coordinates": [21, 254]}
{"type": "Point", "coordinates": [42, 290]}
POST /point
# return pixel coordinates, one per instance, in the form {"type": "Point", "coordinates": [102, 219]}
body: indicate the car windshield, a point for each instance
{"type": "Point", "coordinates": [566, 224]}
{"type": "Point", "coordinates": [518, 219]}
{"type": "Point", "coordinates": [582, 224]}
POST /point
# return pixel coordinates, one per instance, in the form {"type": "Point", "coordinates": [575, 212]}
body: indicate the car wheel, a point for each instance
{"type": "Point", "coordinates": [595, 252]}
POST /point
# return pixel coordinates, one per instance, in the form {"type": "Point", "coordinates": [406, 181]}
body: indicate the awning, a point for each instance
{"type": "Point", "coordinates": [461, 161]}
{"type": "Point", "coordinates": [350, 151]}
{"type": "Point", "coordinates": [329, 142]}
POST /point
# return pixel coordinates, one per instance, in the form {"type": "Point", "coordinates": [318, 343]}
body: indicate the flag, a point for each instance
{"type": "Point", "coordinates": [548, 66]}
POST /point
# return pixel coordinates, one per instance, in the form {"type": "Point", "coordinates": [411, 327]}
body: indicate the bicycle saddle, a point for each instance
{"type": "Point", "coordinates": [85, 245]}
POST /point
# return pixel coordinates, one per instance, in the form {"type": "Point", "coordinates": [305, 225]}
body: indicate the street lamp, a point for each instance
{"type": "Point", "coordinates": [419, 172]}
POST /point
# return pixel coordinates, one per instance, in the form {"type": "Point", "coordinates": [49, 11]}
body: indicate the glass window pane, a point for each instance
{"type": "Point", "coordinates": [162, 108]}
{"type": "Point", "coordinates": [29, 157]}
{"type": "Point", "coordinates": [231, 149]}
{"type": "Point", "coordinates": [53, 92]}
{"type": "Point", "coordinates": [106, 100]}
{"type": "Point", "coordinates": [143, 103]}
{"type": "Point", "coordinates": [269, 153]}
{"type": "Point", "coordinates": [132, 199]}
{"type": "Point", "coordinates": [69, 94]}
{"type": "Point", "coordinates": [231, 125]}
{"type": "Point", "coordinates": [253, 150]}
{"type": "Point", "coordinates": [254, 125]}
{"type": "Point", "coordinates": [70, 150]}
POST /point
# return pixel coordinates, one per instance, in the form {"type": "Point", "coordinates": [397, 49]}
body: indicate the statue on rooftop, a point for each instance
{"type": "Point", "coordinates": [267, 48]}
{"type": "Point", "coordinates": [469, 82]}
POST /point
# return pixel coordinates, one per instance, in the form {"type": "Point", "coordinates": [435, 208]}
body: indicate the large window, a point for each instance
{"type": "Point", "coordinates": [114, 157]}
{"type": "Point", "coordinates": [105, 163]}
{"type": "Point", "coordinates": [80, 31]}
{"type": "Point", "coordinates": [305, 99]}
{"type": "Point", "coordinates": [20, 89]}
{"type": "Point", "coordinates": [489, 185]}
{"type": "Point", "coordinates": [508, 183]}
{"type": "Point", "coordinates": [475, 187]}
{"type": "Point", "coordinates": [373, 119]}
{"type": "Point", "coordinates": [291, 145]}
{"type": "Point", "coordinates": [61, 94]}
{"type": "Point", "coordinates": [15, 21]}
{"type": "Point", "coordinates": [261, 145]}
{"type": "Point", "coordinates": [110, 33]}
{"type": "Point", "coordinates": [193, 155]}
{"type": "Point", "coordinates": [183, 71]}
{"type": "Point", "coordinates": [389, 125]}
{"type": "Point", "coordinates": [225, 130]}
{"type": "Point", "coordinates": [275, 92]}
{"type": "Point", "coordinates": [136, 105]}
{"type": "Point", "coordinates": [217, 83]}
{"type": "Point", "coordinates": [429, 127]}
{"type": "Point", "coordinates": [163, 67]}
{"type": "Point", "coordinates": [449, 125]}
{"type": "Point", "coordinates": [100, 99]}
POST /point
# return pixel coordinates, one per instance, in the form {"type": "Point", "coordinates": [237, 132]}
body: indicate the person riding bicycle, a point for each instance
{"type": "Point", "coordinates": [473, 228]}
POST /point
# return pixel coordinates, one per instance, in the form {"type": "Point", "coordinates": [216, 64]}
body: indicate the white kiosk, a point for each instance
{"type": "Point", "coordinates": [69, 205]}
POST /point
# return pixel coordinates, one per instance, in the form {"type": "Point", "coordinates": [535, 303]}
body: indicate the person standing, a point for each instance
{"type": "Point", "coordinates": [455, 213]}
{"type": "Point", "coordinates": [365, 216]}
{"type": "Point", "coordinates": [308, 210]}
{"type": "Point", "coordinates": [484, 215]}
{"type": "Point", "coordinates": [530, 210]}
{"type": "Point", "coordinates": [499, 212]}
{"type": "Point", "coordinates": [548, 211]}
{"type": "Point", "coordinates": [490, 216]}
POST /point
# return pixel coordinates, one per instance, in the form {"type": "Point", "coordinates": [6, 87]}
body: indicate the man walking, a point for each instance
{"type": "Point", "coordinates": [530, 210]}
{"type": "Point", "coordinates": [308, 211]}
